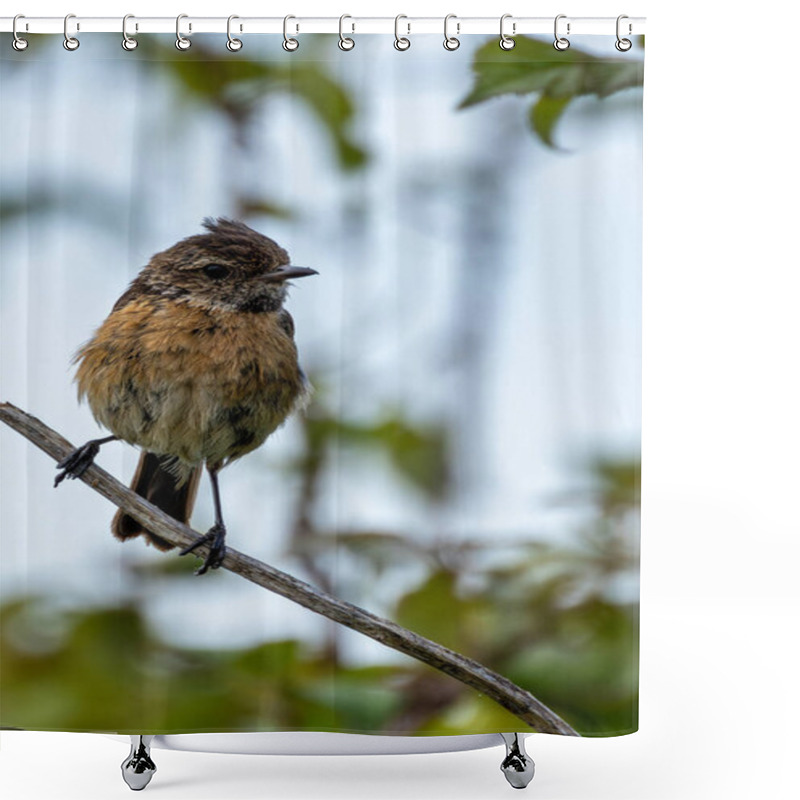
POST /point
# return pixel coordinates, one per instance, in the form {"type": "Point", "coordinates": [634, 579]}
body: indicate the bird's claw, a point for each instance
{"type": "Point", "coordinates": [216, 553]}
{"type": "Point", "coordinates": [77, 462]}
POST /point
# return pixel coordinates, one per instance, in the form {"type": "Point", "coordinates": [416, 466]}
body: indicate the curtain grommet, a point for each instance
{"type": "Point", "coordinates": [345, 42]}
{"type": "Point", "coordinates": [181, 42]}
{"type": "Point", "coordinates": [290, 44]}
{"type": "Point", "coordinates": [623, 45]}
{"type": "Point", "coordinates": [560, 43]}
{"type": "Point", "coordinates": [507, 42]}
{"type": "Point", "coordinates": [401, 43]}
{"type": "Point", "coordinates": [17, 42]}
{"type": "Point", "coordinates": [70, 43]}
{"type": "Point", "coordinates": [233, 44]}
{"type": "Point", "coordinates": [128, 42]}
{"type": "Point", "coordinates": [451, 43]}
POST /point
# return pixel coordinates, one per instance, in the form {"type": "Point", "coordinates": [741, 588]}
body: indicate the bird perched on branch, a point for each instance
{"type": "Point", "coordinates": [196, 364]}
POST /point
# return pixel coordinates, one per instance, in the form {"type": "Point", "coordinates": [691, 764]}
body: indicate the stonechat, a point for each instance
{"type": "Point", "coordinates": [196, 364]}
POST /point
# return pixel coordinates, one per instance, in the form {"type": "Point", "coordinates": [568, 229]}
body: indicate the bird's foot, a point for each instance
{"type": "Point", "coordinates": [77, 462]}
{"type": "Point", "coordinates": [216, 554]}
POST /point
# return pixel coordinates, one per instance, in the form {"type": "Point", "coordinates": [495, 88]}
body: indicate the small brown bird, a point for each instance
{"type": "Point", "coordinates": [196, 364]}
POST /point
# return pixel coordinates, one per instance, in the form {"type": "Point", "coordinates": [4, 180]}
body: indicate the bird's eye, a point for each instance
{"type": "Point", "coordinates": [215, 271]}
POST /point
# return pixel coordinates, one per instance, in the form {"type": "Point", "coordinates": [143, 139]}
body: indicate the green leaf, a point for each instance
{"type": "Point", "coordinates": [620, 484]}
{"type": "Point", "coordinates": [558, 77]}
{"type": "Point", "coordinates": [419, 453]}
{"type": "Point", "coordinates": [330, 102]}
{"type": "Point", "coordinates": [249, 207]}
{"type": "Point", "coordinates": [536, 66]}
{"type": "Point", "coordinates": [544, 115]}
{"type": "Point", "coordinates": [236, 86]}
{"type": "Point", "coordinates": [435, 611]}
{"type": "Point", "coordinates": [359, 704]}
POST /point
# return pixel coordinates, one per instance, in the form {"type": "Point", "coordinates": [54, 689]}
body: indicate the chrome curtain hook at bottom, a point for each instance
{"type": "Point", "coordinates": [233, 44]}
{"type": "Point", "coordinates": [128, 42]}
{"type": "Point", "coordinates": [345, 42]}
{"type": "Point", "coordinates": [561, 42]}
{"type": "Point", "coordinates": [289, 44]}
{"type": "Point", "coordinates": [70, 42]}
{"type": "Point", "coordinates": [18, 43]}
{"type": "Point", "coordinates": [451, 42]}
{"type": "Point", "coordinates": [181, 42]}
{"type": "Point", "coordinates": [506, 42]}
{"type": "Point", "coordinates": [623, 45]}
{"type": "Point", "coordinates": [401, 42]}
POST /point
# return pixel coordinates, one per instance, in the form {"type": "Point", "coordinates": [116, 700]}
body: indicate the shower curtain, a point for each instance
{"type": "Point", "coordinates": [457, 448]}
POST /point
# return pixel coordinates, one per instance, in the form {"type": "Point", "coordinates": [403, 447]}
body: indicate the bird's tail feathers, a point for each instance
{"type": "Point", "coordinates": [156, 480]}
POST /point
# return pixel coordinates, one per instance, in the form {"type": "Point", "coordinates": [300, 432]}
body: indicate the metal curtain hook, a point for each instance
{"type": "Point", "coordinates": [451, 42]}
{"type": "Point", "coordinates": [560, 43]}
{"type": "Point", "coordinates": [401, 42]}
{"type": "Point", "coordinates": [181, 42]}
{"type": "Point", "coordinates": [623, 45]}
{"type": "Point", "coordinates": [233, 44]}
{"type": "Point", "coordinates": [128, 42]}
{"type": "Point", "coordinates": [18, 43]}
{"type": "Point", "coordinates": [70, 42]}
{"type": "Point", "coordinates": [506, 42]}
{"type": "Point", "coordinates": [345, 42]}
{"type": "Point", "coordinates": [289, 44]}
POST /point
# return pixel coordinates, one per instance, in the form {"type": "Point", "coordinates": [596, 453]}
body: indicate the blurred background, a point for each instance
{"type": "Point", "coordinates": [469, 463]}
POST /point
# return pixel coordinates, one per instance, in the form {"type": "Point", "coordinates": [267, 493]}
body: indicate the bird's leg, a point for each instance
{"type": "Point", "coordinates": [216, 534]}
{"type": "Point", "coordinates": [79, 460]}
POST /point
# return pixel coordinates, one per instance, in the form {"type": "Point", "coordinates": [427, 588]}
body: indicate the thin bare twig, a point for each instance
{"type": "Point", "coordinates": [507, 694]}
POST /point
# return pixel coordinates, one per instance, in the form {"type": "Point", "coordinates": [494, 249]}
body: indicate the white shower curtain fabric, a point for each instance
{"type": "Point", "coordinates": [467, 462]}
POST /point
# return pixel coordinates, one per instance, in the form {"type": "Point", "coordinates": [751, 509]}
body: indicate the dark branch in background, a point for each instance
{"type": "Point", "coordinates": [507, 694]}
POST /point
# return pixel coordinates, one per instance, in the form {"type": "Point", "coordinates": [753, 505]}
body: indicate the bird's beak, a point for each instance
{"type": "Point", "coordinates": [285, 273]}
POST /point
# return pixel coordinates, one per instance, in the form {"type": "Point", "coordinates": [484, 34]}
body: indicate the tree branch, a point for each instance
{"type": "Point", "coordinates": [507, 694]}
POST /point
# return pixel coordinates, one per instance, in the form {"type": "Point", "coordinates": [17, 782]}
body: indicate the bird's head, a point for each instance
{"type": "Point", "coordinates": [231, 267]}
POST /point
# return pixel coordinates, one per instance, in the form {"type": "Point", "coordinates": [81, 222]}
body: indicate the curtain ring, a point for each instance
{"type": "Point", "coordinates": [401, 42]}
{"type": "Point", "coordinates": [345, 42]}
{"type": "Point", "coordinates": [506, 42]}
{"type": "Point", "coordinates": [451, 42]}
{"type": "Point", "coordinates": [289, 44]}
{"type": "Point", "coordinates": [128, 42]}
{"type": "Point", "coordinates": [70, 42]}
{"type": "Point", "coordinates": [233, 44]}
{"type": "Point", "coordinates": [560, 43]}
{"type": "Point", "coordinates": [623, 45]}
{"type": "Point", "coordinates": [181, 42]}
{"type": "Point", "coordinates": [18, 43]}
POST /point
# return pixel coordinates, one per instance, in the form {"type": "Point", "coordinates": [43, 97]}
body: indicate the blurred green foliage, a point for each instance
{"type": "Point", "coordinates": [418, 453]}
{"type": "Point", "coordinates": [556, 77]}
{"type": "Point", "coordinates": [237, 87]}
{"type": "Point", "coordinates": [547, 616]}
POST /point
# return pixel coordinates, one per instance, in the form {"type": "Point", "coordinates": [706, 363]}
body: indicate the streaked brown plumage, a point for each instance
{"type": "Point", "coordinates": [196, 364]}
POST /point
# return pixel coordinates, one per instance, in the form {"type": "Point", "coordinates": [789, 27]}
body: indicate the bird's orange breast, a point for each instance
{"type": "Point", "coordinates": [197, 383]}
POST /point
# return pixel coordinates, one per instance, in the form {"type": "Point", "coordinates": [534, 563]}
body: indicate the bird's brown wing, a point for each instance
{"type": "Point", "coordinates": [135, 290]}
